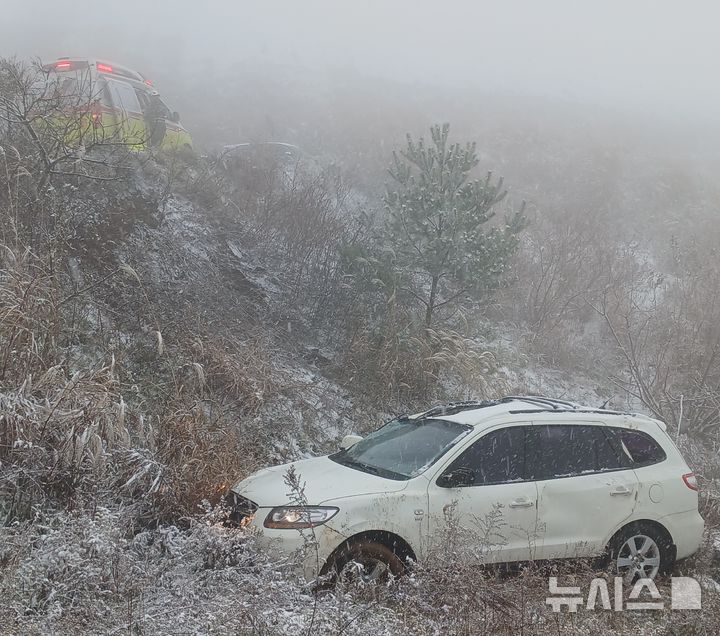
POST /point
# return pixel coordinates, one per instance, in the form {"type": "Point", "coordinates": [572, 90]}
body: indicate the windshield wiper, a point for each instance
{"type": "Point", "coordinates": [367, 468]}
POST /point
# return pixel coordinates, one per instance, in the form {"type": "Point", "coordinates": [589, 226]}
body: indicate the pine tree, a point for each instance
{"type": "Point", "coordinates": [438, 228]}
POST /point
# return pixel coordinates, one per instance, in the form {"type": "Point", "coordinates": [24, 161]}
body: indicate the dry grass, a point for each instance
{"type": "Point", "coordinates": [198, 457]}
{"type": "Point", "coordinates": [243, 372]}
{"type": "Point", "coordinates": [105, 454]}
{"type": "Point", "coordinates": [74, 433]}
{"type": "Point", "coordinates": [57, 426]}
{"type": "Point", "coordinates": [400, 362]}
{"type": "Point", "coordinates": [68, 438]}
{"type": "Point", "coordinates": [29, 319]}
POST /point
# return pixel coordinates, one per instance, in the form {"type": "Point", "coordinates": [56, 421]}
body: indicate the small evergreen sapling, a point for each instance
{"type": "Point", "coordinates": [438, 227]}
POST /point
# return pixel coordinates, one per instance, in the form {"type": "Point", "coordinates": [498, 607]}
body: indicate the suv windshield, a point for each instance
{"type": "Point", "coordinates": [402, 448]}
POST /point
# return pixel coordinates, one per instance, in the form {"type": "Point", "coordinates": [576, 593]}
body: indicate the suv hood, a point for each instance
{"type": "Point", "coordinates": [324, 480]}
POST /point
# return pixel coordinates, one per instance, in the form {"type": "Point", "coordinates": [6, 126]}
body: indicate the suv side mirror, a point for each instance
{"type": "Point", "coordinates": [460, 477]}
{"type": "Point", "coordinates": [348, 441]}
{"type": "Point", "coordinates": [175, 117]}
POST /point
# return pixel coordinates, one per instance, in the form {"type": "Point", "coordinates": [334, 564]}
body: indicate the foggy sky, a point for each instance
{"type": "Point", "coordinates": [652, 58]}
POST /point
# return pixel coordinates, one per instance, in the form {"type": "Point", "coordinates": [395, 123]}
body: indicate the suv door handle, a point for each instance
{"type": "Point", "coordinates": [621, 490]}
{"type": "Point", "coordinates": [522, 502]}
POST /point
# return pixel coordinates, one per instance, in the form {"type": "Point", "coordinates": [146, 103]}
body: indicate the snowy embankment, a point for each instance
{"type": "Point", "coordinates": [180, 373]}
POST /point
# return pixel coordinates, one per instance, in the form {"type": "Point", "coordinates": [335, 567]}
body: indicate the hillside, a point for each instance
{"type": "Point", "coordinates": [169, 325]}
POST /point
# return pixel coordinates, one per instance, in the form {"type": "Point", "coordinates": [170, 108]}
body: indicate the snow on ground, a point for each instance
{"type": "Point", "coordinates": [75, 574]}
{"type": "Point", "coordinates": [89, 571]}
{"type": "Point", "coordinates": [87, 575]}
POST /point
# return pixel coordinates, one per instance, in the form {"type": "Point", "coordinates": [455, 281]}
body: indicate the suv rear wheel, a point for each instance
{"type": "Point", "coordinates": [640, 551]}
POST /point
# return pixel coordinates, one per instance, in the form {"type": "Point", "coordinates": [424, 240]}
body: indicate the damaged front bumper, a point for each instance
{"type": "Point", "coordinates": [242, 510]}
{"type": "Point", "coordinates": [304, 551]}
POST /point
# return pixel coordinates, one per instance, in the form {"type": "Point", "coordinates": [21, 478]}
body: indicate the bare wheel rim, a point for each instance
{"type": "Point", "coordinates": [638, 558]}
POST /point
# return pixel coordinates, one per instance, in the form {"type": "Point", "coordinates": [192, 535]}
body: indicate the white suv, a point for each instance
{"type": "Point", "coordinates": [521, 478]}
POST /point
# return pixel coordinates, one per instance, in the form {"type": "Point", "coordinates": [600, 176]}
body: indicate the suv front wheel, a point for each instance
{"type": "Point", "coordinates": [368, 562]}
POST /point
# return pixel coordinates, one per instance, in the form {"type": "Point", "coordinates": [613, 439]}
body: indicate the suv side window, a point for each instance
{"type": "Point", "coordinates": [143, 98]}
{"type": "Point", "coordinates": [640, 447]}
{"type": "Point", "coordinates": [609, 456]}
{"type": "Point", "coordinates": [566, 450]}
{"type": "Point", "coordinates": [103, 92]}
{"type": "Point", "coordinates": [496, 458]}
{"type": "Point", "coordinates": [124, 97]}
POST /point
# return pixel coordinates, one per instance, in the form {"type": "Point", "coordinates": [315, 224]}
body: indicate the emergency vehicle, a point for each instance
{"type": "Point", "coordinates": [104, 102]}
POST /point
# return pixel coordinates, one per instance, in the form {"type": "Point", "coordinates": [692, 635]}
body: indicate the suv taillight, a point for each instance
{"type": "Point", "coordinates": [690, 481]}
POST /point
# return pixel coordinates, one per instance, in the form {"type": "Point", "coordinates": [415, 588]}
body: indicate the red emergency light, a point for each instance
{"type": "Point", "coordinates": [104, 68]}
{"type": "Point", "coordinates": [148, 82]}
{"type": "Point", "coordinates": [63, 65]}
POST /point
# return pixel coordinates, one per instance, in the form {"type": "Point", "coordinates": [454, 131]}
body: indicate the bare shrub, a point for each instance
{"type": "Point", "coordinates": [302, 215]}
{"type": "Point", "coordinates": [53, 123]}
{"type": "Point", "coordinates": [564, 261]}
{"type": "Point", "coordinates": [198, 457]}
{"type": "Point", "coordinates": [58, 425]}
{"type": "Point", "coordinates": [400, 361]}
{"type": "Point", "coordinates": [241, 372]}
{"type": "Point", "coordinates": [72, 431]}
{"type": "Point", "coordinates": [665, 328]}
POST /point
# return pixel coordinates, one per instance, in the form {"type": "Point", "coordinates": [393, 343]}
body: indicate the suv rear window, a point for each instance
{"type": "Point", "coordinates": [565, 450]}
{"type": "Point", "coordinates": [642, 449]}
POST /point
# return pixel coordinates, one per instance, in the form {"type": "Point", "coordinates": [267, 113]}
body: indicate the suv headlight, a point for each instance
{"type": "Point", "coordinates": [299, 517]}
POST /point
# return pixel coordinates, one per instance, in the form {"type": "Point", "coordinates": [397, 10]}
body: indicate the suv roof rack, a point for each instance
{"type": "Point", "coordinates": [554, 404]}
{"type": "Point", "coordinates": [577, 410]}
{"type": "Point", "coordinates": [451, 408]}
{"type": "Point", "coordinates": [539, 404]}
{"type": "Point", "coordinates": [457, 407]}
